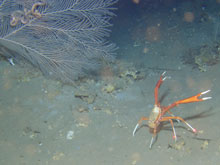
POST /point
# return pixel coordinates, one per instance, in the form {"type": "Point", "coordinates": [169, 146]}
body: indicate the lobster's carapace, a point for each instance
{"type": "Point", "coordinates": [158, 112]}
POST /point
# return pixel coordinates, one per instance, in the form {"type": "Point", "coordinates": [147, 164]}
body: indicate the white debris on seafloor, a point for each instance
{"type": "Point", "coordinates": [10, 60]}
{"type": "Point", "coordinates": [70, 135]}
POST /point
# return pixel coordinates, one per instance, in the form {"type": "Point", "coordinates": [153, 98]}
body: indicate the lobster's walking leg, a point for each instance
{"type": "Point", "coordinates": [139, 122]}
{"type": "Point", "coordinates": [153, 137]}
{"type": "Point", "coordinates": [172, 115]}
{"type": "Point", "coordinates": [174, 132]}
{"type": "Point", "coordinates": [181, 119]}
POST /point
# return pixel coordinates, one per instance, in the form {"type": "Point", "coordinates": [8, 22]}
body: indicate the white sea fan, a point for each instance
{"type": "Point", "coordinates": [63, 38]}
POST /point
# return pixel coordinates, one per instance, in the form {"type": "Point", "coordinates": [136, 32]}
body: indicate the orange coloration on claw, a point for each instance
{"type": "Point", "coordinates": [158, 112]}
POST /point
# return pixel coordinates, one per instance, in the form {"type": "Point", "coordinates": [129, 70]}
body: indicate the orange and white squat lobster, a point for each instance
{"type": "Point", "coordinates": [158, 112]}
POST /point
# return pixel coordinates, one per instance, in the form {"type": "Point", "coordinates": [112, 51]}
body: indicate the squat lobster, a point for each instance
{"type": "Point", "coordinates": [158, 112]}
